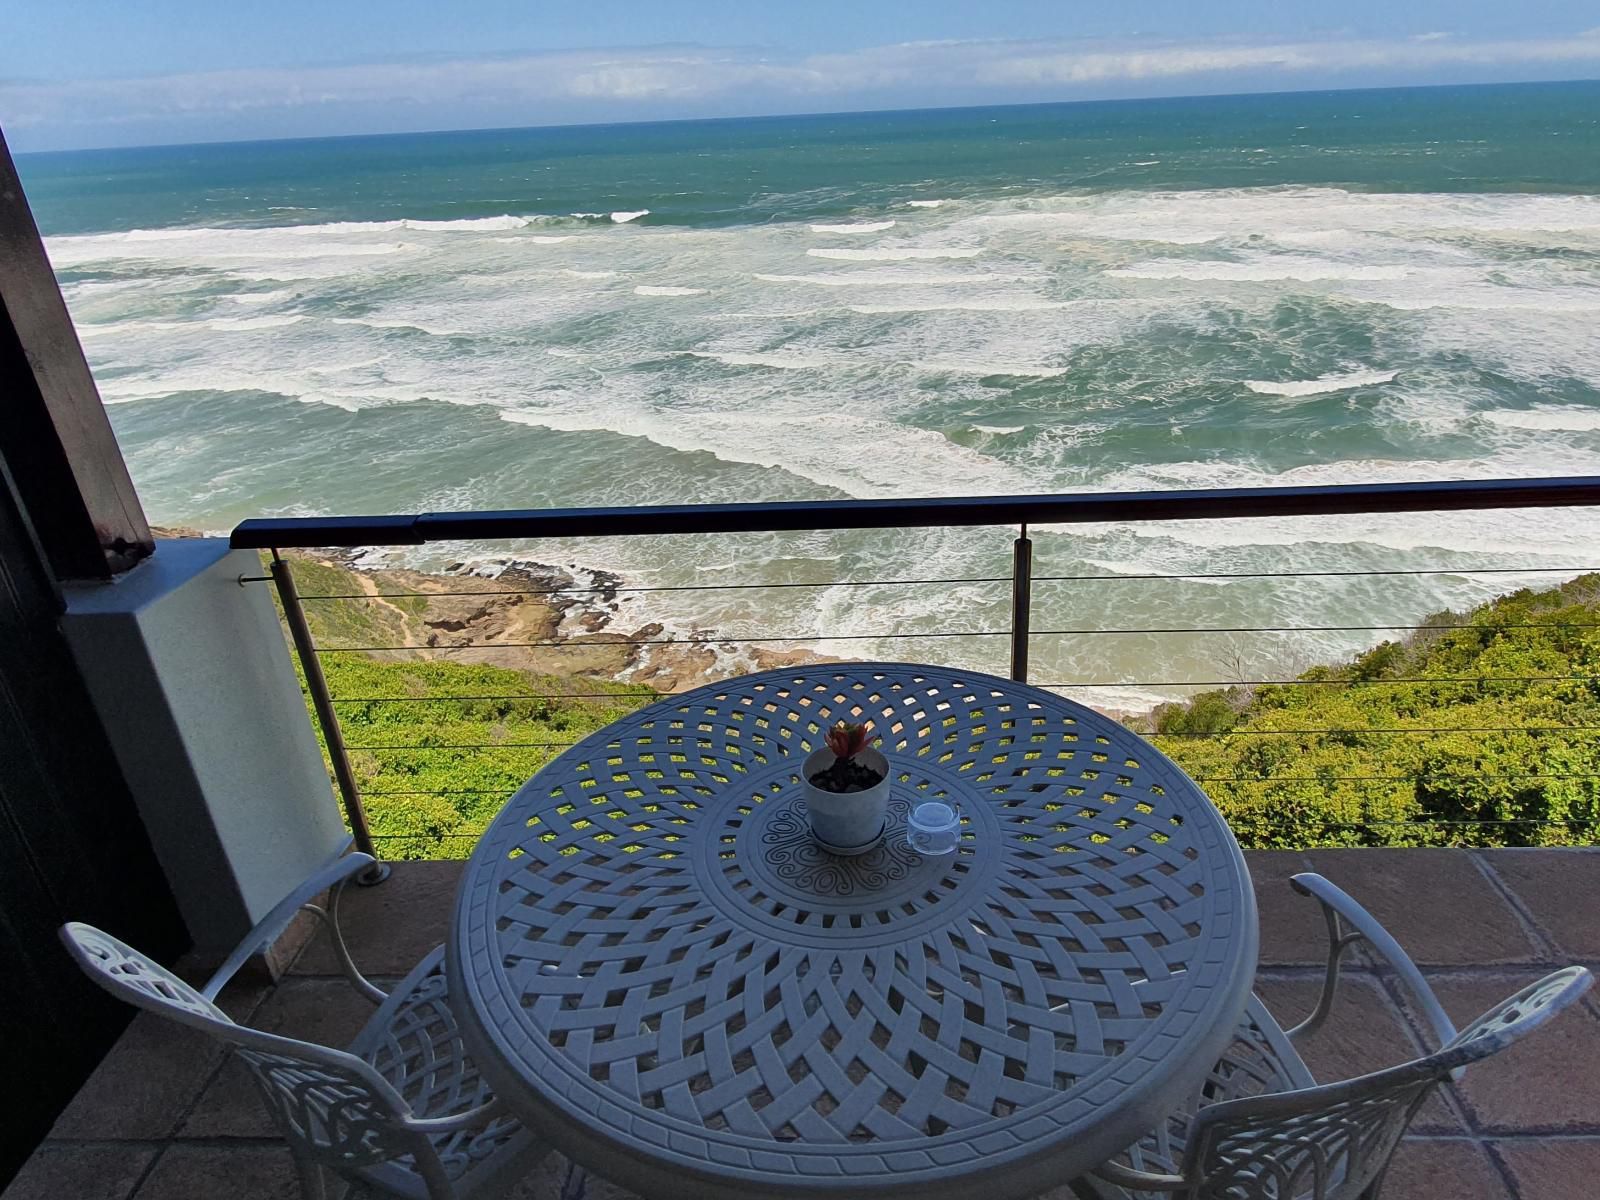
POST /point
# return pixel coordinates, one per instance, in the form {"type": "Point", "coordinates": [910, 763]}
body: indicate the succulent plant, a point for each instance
{"type": "Point", "coordinates": [847, 740]}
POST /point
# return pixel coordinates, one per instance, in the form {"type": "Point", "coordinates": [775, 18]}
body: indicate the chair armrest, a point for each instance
{"type": "Point", "coordinates": [271, 926]}
{"type": "Point", "coordinates": [484, 1113]}
{"type": "Point", "coordinates": [1139, 1181]}
{"type": "Point", "coordinates": [1338, 908]}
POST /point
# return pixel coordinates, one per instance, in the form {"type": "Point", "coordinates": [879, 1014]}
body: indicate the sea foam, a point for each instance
{"type": "Point", "coordinates": [1265, 271]}
{"type": "Point", "coordinates": [1322, 384]}
{"type": "Point", "coordinates": [859, 227]}
{"type": "Point", "coordinates": [1543, 418]}
{"type": "Point", "coordinates": [894, 253]}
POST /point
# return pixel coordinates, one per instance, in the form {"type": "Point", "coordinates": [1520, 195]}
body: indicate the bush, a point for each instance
{"type": "Point", "coordinates": [1479, 734]}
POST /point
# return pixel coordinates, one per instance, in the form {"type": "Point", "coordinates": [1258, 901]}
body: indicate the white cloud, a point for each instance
{"type": "Point", "coordinates": [612, 80]}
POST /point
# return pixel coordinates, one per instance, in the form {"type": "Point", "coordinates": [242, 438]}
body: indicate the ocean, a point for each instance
{"type": "Point", "coordinates": [1259, 290]}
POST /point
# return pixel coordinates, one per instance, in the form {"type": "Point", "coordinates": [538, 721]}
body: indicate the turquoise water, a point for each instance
{"type": "Point", "coordinates": [1532, 137]}
{"type": "Point", "coordinates": [1179, 293]}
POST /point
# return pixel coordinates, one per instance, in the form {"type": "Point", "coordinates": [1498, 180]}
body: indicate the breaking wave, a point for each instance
{"type": "Point", "coordinates": [1113, 340]}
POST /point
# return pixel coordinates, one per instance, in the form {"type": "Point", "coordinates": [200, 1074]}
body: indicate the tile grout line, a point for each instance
{"type": "Point", "coordinates": [1504, 1168]}
{"type": "Point", "coordinates": [149, 1169]}
{"type": "Point", "coordinates": [1554, 956]}
{"type": "Point", "coordinates": [1389, 985]}
{"type": "Point", "coordinates": [1544, 942]}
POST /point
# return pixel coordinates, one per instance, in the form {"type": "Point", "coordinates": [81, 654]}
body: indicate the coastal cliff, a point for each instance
{"type": "Point", "coordinates": [516, 614]}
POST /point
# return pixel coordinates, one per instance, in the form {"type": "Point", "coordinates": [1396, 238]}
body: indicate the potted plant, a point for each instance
{"type": "Point", "coordinates": [846, 785]}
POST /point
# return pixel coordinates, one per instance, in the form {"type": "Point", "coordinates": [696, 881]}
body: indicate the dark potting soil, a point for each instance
{"type": "Point", "coordinates": [846, 775]}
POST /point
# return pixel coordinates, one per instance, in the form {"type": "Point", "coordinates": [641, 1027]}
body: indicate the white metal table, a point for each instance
{"type": "Point", "coordinates": [660, 972]}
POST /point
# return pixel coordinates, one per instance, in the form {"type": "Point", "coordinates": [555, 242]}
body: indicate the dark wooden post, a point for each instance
{"type": "Point", "coordinates": [54, 433]}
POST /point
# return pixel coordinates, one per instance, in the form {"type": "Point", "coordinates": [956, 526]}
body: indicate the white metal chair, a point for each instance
{"type": "Point", "coordinates": [404, 1111]}
{"type": "Point", "coordinates": [1260, 1127]}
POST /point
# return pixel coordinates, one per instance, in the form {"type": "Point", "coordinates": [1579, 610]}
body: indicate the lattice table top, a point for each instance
{"type": "Point", "coordinates": [664, 975]}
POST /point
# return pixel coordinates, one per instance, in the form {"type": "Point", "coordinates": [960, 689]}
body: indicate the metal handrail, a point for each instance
{"type": "Point", "coordinates": [1071, 508]}
{"type": "Point", "coordinates": [1020, 511]}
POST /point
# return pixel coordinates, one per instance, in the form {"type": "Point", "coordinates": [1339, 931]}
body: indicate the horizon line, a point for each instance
{"type": "Point", "coordinates": [797, 116]}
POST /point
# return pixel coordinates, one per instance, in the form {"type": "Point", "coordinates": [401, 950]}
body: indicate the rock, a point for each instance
{"type": "Point", "coordinates": [525, 615]}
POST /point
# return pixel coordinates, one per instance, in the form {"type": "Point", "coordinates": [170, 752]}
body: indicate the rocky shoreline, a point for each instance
{"type": "Point", "coordinates": [514, 613]}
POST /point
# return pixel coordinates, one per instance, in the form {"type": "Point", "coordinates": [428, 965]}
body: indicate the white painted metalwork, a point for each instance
{"type": "Point", "coordinates": [657, 963]}
{"type": "Point", "coordinates": [404, 1110]}
{"type": "Point", "coordinates": [1260, 1128]}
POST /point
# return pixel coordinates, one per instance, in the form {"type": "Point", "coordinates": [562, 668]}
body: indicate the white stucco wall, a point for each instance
{"type": "Point", "coordinates": [191, 675]}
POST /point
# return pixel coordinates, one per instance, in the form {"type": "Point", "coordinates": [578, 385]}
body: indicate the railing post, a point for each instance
{"type": "Point", "coordinates": [1021, 603]}
{"type": "Point", "coordinates": [333, 736]}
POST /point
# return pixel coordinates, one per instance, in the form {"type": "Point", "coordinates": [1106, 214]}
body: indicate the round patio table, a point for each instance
{"type": "Point", "coordinates": [660, 972]}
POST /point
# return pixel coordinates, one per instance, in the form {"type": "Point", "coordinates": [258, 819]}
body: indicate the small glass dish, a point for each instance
{"type": "Point", "coordinates": [934, 828]}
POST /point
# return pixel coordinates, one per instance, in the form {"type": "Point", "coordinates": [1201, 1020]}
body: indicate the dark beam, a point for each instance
{"type": "Point", "coordinates": [54, 433]}
{"type": "Point", "coordinates": [1067, 509]}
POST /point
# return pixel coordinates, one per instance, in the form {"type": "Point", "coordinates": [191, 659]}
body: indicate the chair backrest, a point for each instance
{"type": "Point", "coordinates": [331, 1106]}
{"type": "Point", "coordinates": [1333, 1142]}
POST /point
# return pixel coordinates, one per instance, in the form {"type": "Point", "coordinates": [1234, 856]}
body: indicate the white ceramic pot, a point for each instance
{"type": "Point", "coordinates": [846, 822]}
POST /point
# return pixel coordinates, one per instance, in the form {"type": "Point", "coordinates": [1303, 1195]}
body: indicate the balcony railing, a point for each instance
{"type": "Point", "coordinates": [1015, 599]}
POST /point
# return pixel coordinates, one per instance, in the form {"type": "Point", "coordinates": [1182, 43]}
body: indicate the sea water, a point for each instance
{"type": "Point", "coordinates": [1263, 290]}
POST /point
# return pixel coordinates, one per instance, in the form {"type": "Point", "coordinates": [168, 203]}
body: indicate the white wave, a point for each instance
{"type": "Point", "coordinates": [334, 400]}
{"type": "Point", "coordinates": [96, 287]}
{"type": "Point", "coordinates": [926, 203]}
{"type": "Point", "coordinates": [648, 290]}
{"type": "Point", "coordinates": [399, 323]}
{"type": "Point", "coordinates": [869, 278]}
{"type": "Point", "coordinates": [534, 239]}
{"type": "Point", "coordinates": [1546, 417]}
{"type": "Point", "coordinates": [261, 297]}
{"type": "Point", "coordinates": [563, 352]}
{"type": "Point", "coordinates": [858, 227]}
{"type": "Point", "coordinates": [857, 454]}
{"type": "Point", "coordinates": [203, 245]}
{"type": "Point", "coordinates": [1194, 217]}
{"type": "Point", "coordinates": [213, 324]}
{"type": "Point", "coordinates": [998, 428]}
{"type": "Point", "coordinates": [978, 304]}
{"type": "Point", "coordinates": [469, 225]}
{"type": "Point", "coordinates": [1478, 295]}
{"type": "Point", "coordinates": [781, 362]}
{"type": "Point", "coordinates": [1325, 383]}
{"type": "Point", "coordinates": [1266, 271]}
{"type": "Point", "coordinates": [894, 253]}
{"type": "Point", "coordinates": [1024, 370]}
{"type": "Point", "coordinates": [589, 274]}
{"type": "Point", "coordinates": [622, 218]}
{"type": "Point", "coordinates": [245, 324]}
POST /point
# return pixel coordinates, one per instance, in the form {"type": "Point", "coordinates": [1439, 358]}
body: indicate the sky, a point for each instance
{"type": "Point", "coordinates": [85, 73]}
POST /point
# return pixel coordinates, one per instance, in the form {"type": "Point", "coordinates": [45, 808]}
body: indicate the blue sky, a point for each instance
{"type": "Point", "coordinates": [129, 72]}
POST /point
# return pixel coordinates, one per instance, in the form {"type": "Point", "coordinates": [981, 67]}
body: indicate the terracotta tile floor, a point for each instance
{"type": "Point", "coordinates": [167, 1117]}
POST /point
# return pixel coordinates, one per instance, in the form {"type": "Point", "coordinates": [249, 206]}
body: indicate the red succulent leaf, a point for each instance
{"type": "Point", "coordinates": [847, 740]}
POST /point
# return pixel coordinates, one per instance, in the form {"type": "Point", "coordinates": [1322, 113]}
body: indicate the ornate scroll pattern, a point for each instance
{"type": "Point", "coordinates": [332, 1115]}
{"type": "Point", "coordinates": [793, 856]}
{"type": "Point", "coordinates": [354, 1110]}
{"type": "Point", "coordinates": [665, 942]}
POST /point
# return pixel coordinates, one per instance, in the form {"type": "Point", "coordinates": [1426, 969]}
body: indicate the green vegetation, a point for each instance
{"type": "Point", "coordinates": [437, 746]}
{"type": "Point", "coordinates": [433, 770]}
{"type": "Point", "coordinates": [1482, 732]}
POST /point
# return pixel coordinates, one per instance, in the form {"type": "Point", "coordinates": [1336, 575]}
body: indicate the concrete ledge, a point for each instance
{"type": "Point", "coordinates": [191, 675]}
